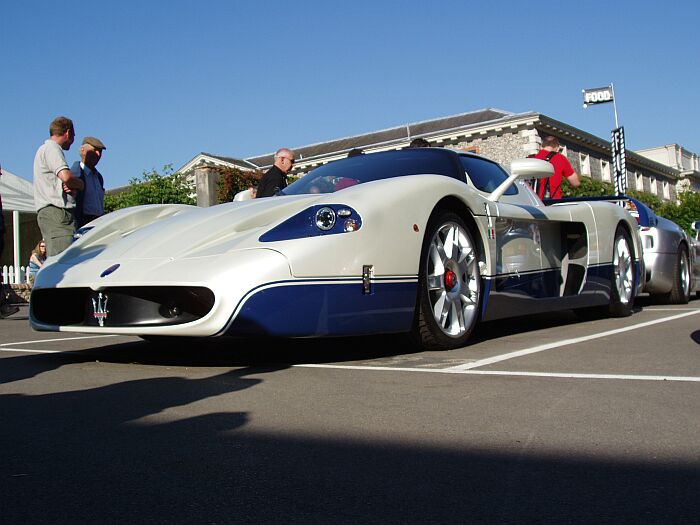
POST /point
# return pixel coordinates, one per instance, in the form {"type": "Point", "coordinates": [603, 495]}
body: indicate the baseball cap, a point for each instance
{"type": "Point", "coordinates": [94, 142]}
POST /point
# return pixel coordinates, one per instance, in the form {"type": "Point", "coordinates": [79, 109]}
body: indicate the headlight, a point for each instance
{"type": "Point", "coordinates": [321, 220]}
{"type": "Point", "coordinates": [325, 219]}
{"type": "Point", "coordinates": [351, 225]}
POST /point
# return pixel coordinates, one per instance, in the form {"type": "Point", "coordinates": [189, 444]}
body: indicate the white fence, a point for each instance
{"type": "Point", "coordinates": [14, 275]}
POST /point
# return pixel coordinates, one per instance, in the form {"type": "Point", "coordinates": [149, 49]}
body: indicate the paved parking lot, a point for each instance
{"type": "Point", "coordinates": [545, 418]}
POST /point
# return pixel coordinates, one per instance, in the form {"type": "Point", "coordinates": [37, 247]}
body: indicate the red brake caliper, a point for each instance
{"type": "Point", "coordinates": [450, 280]}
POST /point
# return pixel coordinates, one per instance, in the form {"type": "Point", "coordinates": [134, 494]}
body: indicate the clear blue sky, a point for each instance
{"type": "Point", "coordinates": [159, 82]}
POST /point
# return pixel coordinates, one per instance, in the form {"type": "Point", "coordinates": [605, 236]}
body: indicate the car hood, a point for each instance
{"type": "Point", "coordinates": [176, 231]}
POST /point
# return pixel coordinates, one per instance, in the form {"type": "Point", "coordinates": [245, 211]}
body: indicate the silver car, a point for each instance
{"type": "Point", "coordinates": [695, 254]}
{"type": "Point", "coordinates": [670, 256]}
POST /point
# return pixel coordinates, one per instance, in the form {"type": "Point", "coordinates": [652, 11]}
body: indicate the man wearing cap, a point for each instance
{"type": "Point", "coordinates": [90, 202]}
{"type": "Point", "coordinates": [55, 187]}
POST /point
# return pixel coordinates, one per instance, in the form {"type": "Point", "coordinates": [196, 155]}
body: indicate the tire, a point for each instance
{"type": "Point", "coordinates": [680, 290]}
{"type": "Point", "coordinates": [623, 275]}
{"type": "Point", "coordinates": [449, 284]}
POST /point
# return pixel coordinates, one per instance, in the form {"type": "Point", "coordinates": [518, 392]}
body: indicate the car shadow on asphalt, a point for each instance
{"type": "Point", "coordinates": [229, 351]}
{"type": "Point", "coordinates": [264, 352]}
{"type": "Point", "coordinates": [261, 351]}
{"type": "Point", "coordinates": [124, 452]}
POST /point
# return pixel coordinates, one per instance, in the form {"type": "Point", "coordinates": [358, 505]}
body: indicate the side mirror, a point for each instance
{"type": "Point", "coordinates": [695, 226]}
{"type": "Point", "coordinates": [523, 169]}
{"type": "Point", "coordinates": [531, 168]}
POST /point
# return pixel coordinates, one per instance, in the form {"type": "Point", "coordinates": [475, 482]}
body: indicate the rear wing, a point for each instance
{"type": "Point", "coordinates": [644, 215]}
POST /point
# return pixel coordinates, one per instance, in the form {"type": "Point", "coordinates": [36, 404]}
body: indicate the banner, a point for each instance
{"type": "Point", "coordinates": [597, 96]}
{"type": "Point", "coordinates": [618, 160]}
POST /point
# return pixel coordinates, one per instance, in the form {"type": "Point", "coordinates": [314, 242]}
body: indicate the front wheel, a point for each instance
{"type": "Point", "coordinates": [449, 284]}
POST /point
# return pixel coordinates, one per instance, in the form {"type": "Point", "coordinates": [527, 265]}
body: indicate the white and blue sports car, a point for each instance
{"type": "Point", "coordinates": [428, 241]}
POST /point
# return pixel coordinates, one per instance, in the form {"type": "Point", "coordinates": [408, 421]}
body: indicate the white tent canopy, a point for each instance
{"type": "Point", "coordinates": [17, 193]}
{"type": "Point", "coordinates": [17, 198]}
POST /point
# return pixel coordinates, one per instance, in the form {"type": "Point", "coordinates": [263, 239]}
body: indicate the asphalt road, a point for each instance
{"type": "Point", "coordinates": [541, 419]}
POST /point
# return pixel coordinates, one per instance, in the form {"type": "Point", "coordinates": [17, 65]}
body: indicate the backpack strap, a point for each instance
{"type": "Point", "coordinates": [544, 189]}
{"type": "Point", "coordinates": [541, 186]}
{"type": "Point", "coordinates": [548, 158]}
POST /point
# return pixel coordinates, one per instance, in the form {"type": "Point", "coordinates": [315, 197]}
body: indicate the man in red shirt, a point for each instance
{"type": "Point", "coordinates": [551, 186]}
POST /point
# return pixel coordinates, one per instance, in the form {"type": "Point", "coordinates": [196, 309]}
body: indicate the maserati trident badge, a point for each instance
{"type": "Point", "coordinates": [99, 308]}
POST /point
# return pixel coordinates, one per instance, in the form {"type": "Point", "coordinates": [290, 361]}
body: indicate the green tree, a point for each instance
{"type": "Point", "coordinates": [233, 180]}
{"type": "Point", "coordinates": [154, 188]}
{"type": "Point", "coordinates": [588, 188]}
{"type": "Point", "coordinates": [685, 213]}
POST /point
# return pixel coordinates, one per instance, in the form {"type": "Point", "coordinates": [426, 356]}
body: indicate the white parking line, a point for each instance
{"type": "Point", "coordinates": [32, 351]}
{"type": "Point", "coordinates": [566, 342]}
{"type": "Point", "coordinates": [56, 340]}
{"type": "Point", "coordinates": [454, 370]}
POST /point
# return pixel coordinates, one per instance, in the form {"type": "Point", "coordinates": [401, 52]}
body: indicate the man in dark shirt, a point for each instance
{"type": "Point", "coordinates": [275, 178]}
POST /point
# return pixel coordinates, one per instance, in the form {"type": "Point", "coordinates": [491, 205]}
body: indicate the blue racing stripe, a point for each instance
{"type": "Point", "coordinates": [326, 308]}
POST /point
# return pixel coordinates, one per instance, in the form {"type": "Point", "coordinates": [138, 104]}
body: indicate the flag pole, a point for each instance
{"type": "Point", "coordinates": [612, 89]}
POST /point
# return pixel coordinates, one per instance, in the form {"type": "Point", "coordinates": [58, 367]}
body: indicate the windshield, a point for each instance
{"type": "Point", "coordinates": [344, 173]}
{"type": "Point", "coordinates": [486, 175]}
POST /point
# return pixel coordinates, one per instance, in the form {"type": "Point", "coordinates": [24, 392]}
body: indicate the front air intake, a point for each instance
{"type": "Point", "coordinates": [121, 306]}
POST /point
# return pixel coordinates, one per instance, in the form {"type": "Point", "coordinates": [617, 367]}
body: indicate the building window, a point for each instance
{"type": "Point", "coordinates": [654, 190]}
{"type": "Point", "coordinates": [605, 170]}
{"type": "Point", "coordinates": [585, 164]}
{"type": "Point", "coordinates": [639, 182]}
{"type": "Point", "coordinates": [667, 190]}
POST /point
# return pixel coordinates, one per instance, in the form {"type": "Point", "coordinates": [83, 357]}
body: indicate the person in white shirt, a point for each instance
{"type": "Point", "coordinates": [55, 187]}
{"type": "Point", "coordinates": [245, 195]}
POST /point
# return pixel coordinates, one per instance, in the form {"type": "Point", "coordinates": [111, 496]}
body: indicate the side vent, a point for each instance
{"type": "Point", "coordinates": [367, 274]}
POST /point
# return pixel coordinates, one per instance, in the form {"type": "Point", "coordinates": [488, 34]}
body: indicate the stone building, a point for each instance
{"type": "Point", "coordinates": [680, 159]}
{"type": "Point", "coordinates": [493, 133]}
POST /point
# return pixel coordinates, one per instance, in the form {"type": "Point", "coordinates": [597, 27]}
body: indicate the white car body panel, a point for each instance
{"type": "Point", "coordinates": [316, 279]}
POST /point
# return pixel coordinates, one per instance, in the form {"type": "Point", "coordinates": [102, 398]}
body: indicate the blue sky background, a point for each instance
{"type": "Point", "coordinates": [158, 82]}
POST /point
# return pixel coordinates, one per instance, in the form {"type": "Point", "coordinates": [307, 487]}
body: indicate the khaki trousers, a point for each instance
{"type": "Point", "coordinates": [57, 227]}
